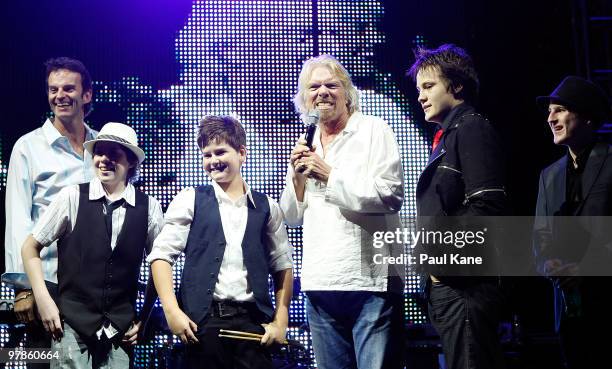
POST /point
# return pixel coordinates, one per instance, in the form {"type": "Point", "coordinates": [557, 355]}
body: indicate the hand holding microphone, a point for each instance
{"type": "Point", "coordinates": [305, 161]}
{"type": "Point", "coordinates": [312, 120]}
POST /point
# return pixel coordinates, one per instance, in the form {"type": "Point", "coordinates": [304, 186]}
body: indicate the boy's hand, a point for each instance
{"type": "Point", "coordinates": [49, 314]}
{"type": "Point", "coordinates": [181, 326]}
{"type": "Point", "coordinates": [131, 336]}
{"type": "Point", "coordinates": [24, 307]}
{"type": "Point", "coordinates": [275, 334]}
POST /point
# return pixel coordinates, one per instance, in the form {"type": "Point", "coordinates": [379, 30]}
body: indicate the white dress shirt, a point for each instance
{"type": "Point", "coordinates": [42, 163]}
{"type": "Point", "coordinates": [363, 194]}
{"type": "Point", "coordinates": [61, 215]}
{"type": "Point", "coordinates": [232, 283]}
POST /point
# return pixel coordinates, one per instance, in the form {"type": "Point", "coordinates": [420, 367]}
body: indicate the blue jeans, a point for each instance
{"type": "Point", "coordinates": [73, 354]}
{"type": "Point", "coordinates": [356, 329]}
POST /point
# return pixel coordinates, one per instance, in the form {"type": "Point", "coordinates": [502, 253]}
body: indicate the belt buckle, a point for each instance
{"type": "Point", "coordinates": [222, 308]}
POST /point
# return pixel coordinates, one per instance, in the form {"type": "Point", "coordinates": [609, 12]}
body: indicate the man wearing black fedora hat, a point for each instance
{"type": "Point", "coordinates": [569, 249]}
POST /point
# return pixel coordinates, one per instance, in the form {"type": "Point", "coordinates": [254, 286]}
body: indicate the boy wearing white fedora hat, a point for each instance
{"type": "Point", "coordinates": [103, 229]}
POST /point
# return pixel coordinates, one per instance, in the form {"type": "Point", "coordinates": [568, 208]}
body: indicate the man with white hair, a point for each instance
{"type": "Point", "coordinates": [344, 188]}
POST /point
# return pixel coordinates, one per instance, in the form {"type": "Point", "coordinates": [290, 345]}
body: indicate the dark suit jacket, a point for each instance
{"type": "Point", "coordinates": [597, 202]}
{"type": "Point", "coordinates": [464, 178]}
{"type": "Point", "coordinates": [583, 240]}
{"type": "Point", "coordinates": [465, 174]}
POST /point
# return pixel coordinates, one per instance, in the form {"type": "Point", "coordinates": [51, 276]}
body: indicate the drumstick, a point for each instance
{"type": "Point", "coordinates": [240, 337]}
{"type": "Point", "coordinates": [241, 333]}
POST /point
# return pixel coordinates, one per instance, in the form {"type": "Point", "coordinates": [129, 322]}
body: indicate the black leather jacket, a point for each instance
{"type": "Point", "coordinates": [463, 179]}
{"type": "Point", "coordinates": [465, 174]}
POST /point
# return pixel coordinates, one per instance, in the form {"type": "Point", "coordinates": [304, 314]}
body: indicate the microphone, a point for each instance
{"type": "Point", "coordinates": [312, 119]}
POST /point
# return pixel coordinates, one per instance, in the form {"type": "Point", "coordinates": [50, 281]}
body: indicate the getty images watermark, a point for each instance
{"type": "Point", "coordinates": [492, 246]}
{"type": "Point", "coordinates": [442, 245]}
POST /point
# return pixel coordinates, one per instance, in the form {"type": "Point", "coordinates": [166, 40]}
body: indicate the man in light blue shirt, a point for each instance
{"type": "Point", "coordinates": [43, 162]}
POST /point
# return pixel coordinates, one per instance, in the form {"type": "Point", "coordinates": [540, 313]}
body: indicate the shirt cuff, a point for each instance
{"type": "Point", "coordinates": [19, 281]}
{"type": "Point", "coordinates": [281, 262]}
{"type": "Point", "coordinates": [283, 265]}
{"type": "Point", "coordinates": [41, 238]}
{"type": "Point", "coordinates": [151, 258]}
{"type": "Point", "coordinates": [301, 205]}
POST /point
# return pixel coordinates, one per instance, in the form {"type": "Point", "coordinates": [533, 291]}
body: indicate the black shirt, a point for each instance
{"type": "Point", "coordinates": [574, 180]}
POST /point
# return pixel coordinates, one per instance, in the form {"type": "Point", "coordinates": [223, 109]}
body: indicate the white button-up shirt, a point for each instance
{"type": "Point", "coordinates": [363, 194]}
{"type": "Point", "coordinates": [61, 215]}
{"type": "Point", "coordinates": [232, 283]}
{"type": "Point", "coordinates": [42, 163]}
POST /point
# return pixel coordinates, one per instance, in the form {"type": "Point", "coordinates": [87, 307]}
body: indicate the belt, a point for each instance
{"type": "Point", "coordinates": [229, 308]}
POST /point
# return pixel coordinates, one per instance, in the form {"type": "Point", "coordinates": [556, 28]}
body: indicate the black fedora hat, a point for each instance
{"type": "Point", "coordinates": [580, 95]}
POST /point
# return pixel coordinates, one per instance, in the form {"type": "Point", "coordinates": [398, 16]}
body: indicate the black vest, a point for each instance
{"type": "Point", "coordinates": [97, 283]}
{"type": "Point", "coordinates": [204, 254]}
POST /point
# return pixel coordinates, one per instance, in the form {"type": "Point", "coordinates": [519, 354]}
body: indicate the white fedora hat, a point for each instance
{"type": "Point", "coordinates": [119, 133]}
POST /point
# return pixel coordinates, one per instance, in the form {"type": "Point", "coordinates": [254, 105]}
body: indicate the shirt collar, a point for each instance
{"type": "Point", "coordinates": [52, 134]}
{"type": "Point", "coordinates": [349, 127]}
{"type": "Point", "coordinates": [458, 110]}
{"type": "Point", "coordinates": [581, 158]}
{"type": "Point", "coordinates": [354, 119]}
{"type": "Point", "coordinates": [223, 197]}
{"type": "Point", "coordinates": [96, 192]}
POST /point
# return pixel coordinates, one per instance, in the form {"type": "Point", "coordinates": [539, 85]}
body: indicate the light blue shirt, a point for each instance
{"type": "Point", "coordinates": [42, 163]}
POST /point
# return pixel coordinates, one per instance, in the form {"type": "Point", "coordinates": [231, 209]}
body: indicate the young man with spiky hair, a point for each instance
{"type": "Point", "coordinates": [233, 238]}
{"type": "Point", "coordinates": [42, 163]}
{"type": "Point", "coordinates": [464, 177]}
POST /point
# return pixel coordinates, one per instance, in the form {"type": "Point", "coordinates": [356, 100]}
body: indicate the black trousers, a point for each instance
{"type": "Point", "coordinates": [579, 334]}
{"type": "Point", "coordinates": [467, 316]}
{"type": "Point", "coordinates": [213, 352]}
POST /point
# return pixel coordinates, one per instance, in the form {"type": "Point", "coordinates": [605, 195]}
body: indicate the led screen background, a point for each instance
{"type": "Point", "coordinates": [243, 58]}
{"type": "Point", "coordinates": [160, 65]}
